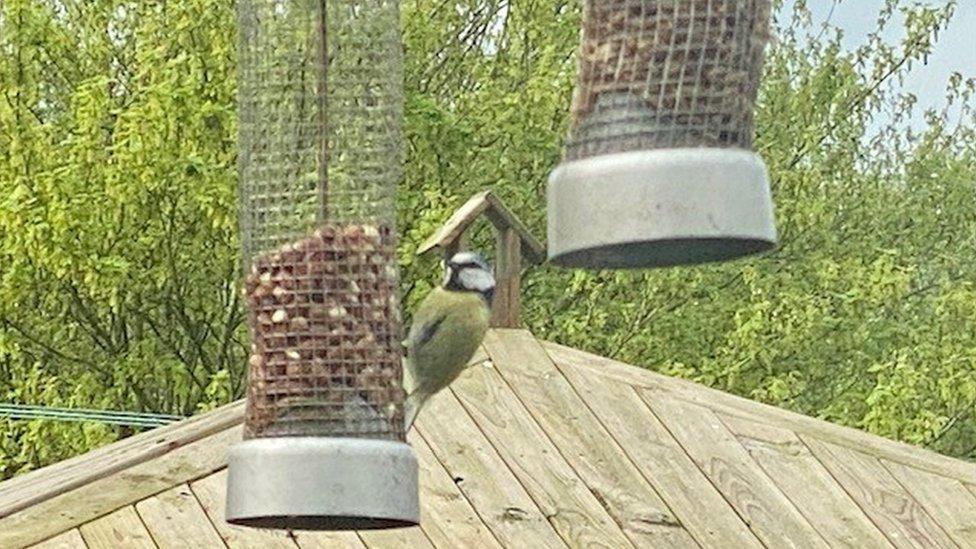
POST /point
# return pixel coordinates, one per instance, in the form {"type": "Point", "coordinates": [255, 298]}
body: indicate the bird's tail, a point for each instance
{"type": "Point", "coordinates": [410, 410]}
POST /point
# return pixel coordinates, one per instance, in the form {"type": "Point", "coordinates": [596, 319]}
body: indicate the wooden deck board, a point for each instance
{"type": "Point", "coordinates": [68, 540]}
{"type": "Point", "coordinates": [945, 499]}
{"type": "Point", "coordinates": [106, 494]}
{"type": "Point", "coordinates": [805, 481]}
{"type": "Point", "coordinates": [28, 490]}
{"type": "Point", "coordinates": [730, 404]}
{"type": "Point", "coordinates": [328, 540]}
{"type": "Point", "coordinates": [873, 488]}
{"type": "Point", "coordinates": [582, 441]}
{"type": "Point", "coordinates": [401, 538]}
{"type": "Point", "coordinates": [123, 528]}
{"type": "Point", "coordinates": [722, 458]}
{"type": "Point", "coordinates": [662, 461]}
{"type": "Point", "coordinates": [175, 520]}
{"type": "Point", "coordinates": [550, 447]}
{"type": "Point", "coordinates": [573, 510]}
{"type": "Point", "coordinates": [446, 516]}
{"type": "Point", "coordinates": [482, 476]}
{"type": "Point", "coordinates": [211, 492]}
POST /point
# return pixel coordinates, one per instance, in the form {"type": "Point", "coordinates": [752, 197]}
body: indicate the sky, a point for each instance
{"type": "Point", "coordinates": [954, 52]}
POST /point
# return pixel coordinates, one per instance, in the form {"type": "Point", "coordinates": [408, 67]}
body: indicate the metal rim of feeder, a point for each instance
{"type": "Point", "coordinates": [659, 168]}
{"type": "Point", "coordinates": [320, 109]}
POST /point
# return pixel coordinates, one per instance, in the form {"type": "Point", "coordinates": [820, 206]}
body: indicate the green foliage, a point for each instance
{"type": "Point", "coordinates": [118, 225]}
{"type": "Point", "coordinates": [118, 251]}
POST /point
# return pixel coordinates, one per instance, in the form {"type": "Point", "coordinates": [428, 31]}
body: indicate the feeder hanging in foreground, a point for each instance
{"type": "Point", "coordinates": [320, 106]}
{"type": "Point", "coordinates": [659, 168]}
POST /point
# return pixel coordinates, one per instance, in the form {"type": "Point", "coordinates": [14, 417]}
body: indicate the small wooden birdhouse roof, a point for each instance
{"type": "Point", "coordinates": [500, 216]}
{"type": "Point", "coordinates": [539, 445]}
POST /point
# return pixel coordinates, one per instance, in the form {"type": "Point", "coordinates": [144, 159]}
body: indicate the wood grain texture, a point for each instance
{"type": "Point", "coordinates": [452, 229]}
{"type": "Point", "coordinates": [580, 438]}
{"type": "Point", "coordinates": [405, 538]}
{"type": "Point", "coordinates": [811, 488]}
{"type": "Point", "coordinates": [445, 514]}
{"type": "Point", "coordinates": [573, 510]}
{"type": "Point", "coordinates": [662, 461]}
{"type": "Point", "coordinates": [772, 516]}
{"type": "Point", "coordinates": [733, 405]}
{"type": "Point", "coordinates": [500, 216]}
{"type": "Point", "coordinates": [873, 488]}
{"type": "Point", "coordinates": [27, 490]}
{"type": "Point", "coordinates": [211, 492]}
{"type": "Point", "coordinates": [945, 499]}
{"type": "Point", "coordinates": [482, 475]}
{"type": "Point", "coordinates": [123, 528]}
{"type": "Point", "coordinates": [175, 520]}
{"type": "Point", "coordinates": [328, 540]}
{"type": "Point", "coordinates": [506, 304]}
{"type": "Point", "coordinates": [106, 494]}
{"type": "Point", "coordinates": [68, 540]}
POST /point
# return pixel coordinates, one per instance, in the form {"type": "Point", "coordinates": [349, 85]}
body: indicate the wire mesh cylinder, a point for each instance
{"type": "Point", "coordinates": [320, 109]}
{"type": "Point", "coordinates": [655, 76]}
{"type": "Point", "coordinates": [319, 146]}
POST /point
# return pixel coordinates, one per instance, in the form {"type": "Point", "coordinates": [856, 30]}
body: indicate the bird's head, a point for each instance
{"type": "Point", "coordinates": [469, 272]}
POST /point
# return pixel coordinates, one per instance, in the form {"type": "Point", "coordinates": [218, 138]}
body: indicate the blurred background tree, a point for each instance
{"type": "Point", "coordinates": [118, 252]}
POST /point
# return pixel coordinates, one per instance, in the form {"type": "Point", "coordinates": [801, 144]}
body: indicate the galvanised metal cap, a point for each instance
{"type": "Point", "coordinates": [320, 483]}
{"type": "Point", "coordinates": [659, 208]}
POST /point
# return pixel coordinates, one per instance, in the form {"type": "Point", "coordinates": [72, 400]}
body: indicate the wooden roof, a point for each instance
{"type": "Point", "coordinates": [500, 216]}
{"type": "Point", "coordinates": [539, 445]}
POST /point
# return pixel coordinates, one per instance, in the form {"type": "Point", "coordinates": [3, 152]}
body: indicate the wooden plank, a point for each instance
{"type": "Point", "coordinates": [446, 516]}
{"type": "Point", "coordinates": [945, 499]}
{"type": "Point", "coordinates": [662, 461]}
{"type": "Point", "coordinates": [27, 490]}
{"type": "Point", "coordinates": [68, 540]}
{"type": "Point", "coordinates": [455, 225]}
{"type": "Point", "coordinates": [328, 540]}
{"type": "Point", "coordinates": [873, 488]}
{"type": "Point", "coordinates": [733, 405]}
{"type": "Point", "coordinates": [505, 306]}
{"type": "Point", "coordinates": [400, 538]}
{"type": "Point", "coordinates": [104, 495]}
{"type": "Point", "coordinates": [500, 216]}
{"type": "Point", "coordinates": [123, 528]}
{"type": "Point", "coordinates": [772, 516]}
{"type": "Point", "coordinates": [175, 520]}
{"type": "Point", "coordinates": [573, 510]}
{"type": "Point", "coordinates": [577, 434]}
{"type": "Point", "coordinates": [211, 492]}
{"type": "Point", "coordinates": [482, 476]}
{"type": "Point", "coordinates": [811, 488]}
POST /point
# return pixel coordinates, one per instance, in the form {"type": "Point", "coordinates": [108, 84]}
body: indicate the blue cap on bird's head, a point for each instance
{"type": "Point", "coordinates": [469, 272]}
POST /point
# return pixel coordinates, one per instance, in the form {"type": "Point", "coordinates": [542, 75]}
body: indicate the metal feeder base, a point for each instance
{"type": "Point", "coordinates": [312, 483]}
{"type": "Point", "coordinates": [659, 208]}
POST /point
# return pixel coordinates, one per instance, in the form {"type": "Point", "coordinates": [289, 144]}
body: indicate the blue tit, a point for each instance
{"type": "Point", "coordinates": [447, 329]}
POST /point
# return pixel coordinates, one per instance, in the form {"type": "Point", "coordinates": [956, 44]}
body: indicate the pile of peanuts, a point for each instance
{"type": "Point", "coordinates": [325, 329]}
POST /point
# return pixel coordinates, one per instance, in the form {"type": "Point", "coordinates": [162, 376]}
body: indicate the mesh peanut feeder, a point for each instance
{"type": "Point", "coordinates": [659, 168]}
{"type": "Point", "coordinates": [320, 106]}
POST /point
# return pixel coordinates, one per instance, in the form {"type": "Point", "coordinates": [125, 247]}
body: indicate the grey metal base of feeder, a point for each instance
{"type": "Point", "coordinates": [659, 208]}
{"type": "Point", "coordinates": [310, 483]}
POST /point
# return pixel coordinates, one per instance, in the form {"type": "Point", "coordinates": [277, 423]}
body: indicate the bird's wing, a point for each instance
{"type": "Point", "coordinates": [426, 331]}
{"type": "Point", "coordinates": [420, 334]}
